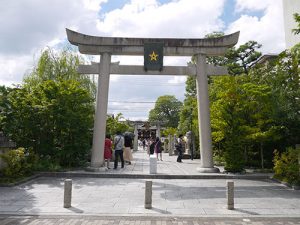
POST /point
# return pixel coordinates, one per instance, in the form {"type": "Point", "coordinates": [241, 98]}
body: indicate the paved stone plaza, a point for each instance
{"type": "Point", "coordinates": [172, 198]}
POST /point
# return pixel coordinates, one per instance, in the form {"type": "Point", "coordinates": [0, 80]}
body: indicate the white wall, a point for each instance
{"type": "Point", "coordinates": [289, 8]}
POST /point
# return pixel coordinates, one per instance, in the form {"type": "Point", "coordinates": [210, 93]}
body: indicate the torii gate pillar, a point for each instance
{"type": "Point", "coordinates": [207, 165]}
{"type": "Point", "coordinates": [97, 159]}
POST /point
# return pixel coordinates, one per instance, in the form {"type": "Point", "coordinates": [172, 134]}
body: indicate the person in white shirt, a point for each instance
{"type": "Point", "coordinates": [118, 146]}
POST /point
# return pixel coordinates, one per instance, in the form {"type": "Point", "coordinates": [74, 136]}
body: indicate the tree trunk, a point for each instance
{"type": "Point", "coordinates": [262, 155]}
{"type": "Point", "coordinates": [246, 154]}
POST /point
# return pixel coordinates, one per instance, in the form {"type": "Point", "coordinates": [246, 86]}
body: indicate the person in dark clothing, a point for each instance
{"type": "Point", "coordinates": [152, 146]}
{"type": "Point", "coordinates": [157, 148]}
{"type": "Point", "coordinates": [179, 148]}
{"type": "Point", "coordinates": [144, 143]}
{"type": "Point", "coordinates": [127, 155]}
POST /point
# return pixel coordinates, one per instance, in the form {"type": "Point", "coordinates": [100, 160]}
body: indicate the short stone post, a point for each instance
{"type": "Point", "coordinates": [230, 195]}
{"type": "Point", "coordinates": [135, 142]}
{"type": "Point", "coordinates": [153, 164]}
{"type": "Point", "coordinates": [170, 145]}
{"type": "Point", "coordinates": [68, 193]}
{"type": "Point", "coordinates": [175, 141]}
{"type": "Point", "coordinates": [148, 194]}
{"type": "Point", "coordinates": [165, 146]}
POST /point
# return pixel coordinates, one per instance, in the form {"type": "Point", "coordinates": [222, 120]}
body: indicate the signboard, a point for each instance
{"type": "Point", "coordinates": [153, 56]}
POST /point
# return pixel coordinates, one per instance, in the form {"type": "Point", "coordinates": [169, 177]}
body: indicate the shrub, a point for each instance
{"type": "Point", "coordinates": [47, 164]}
{"type": "Point", "coordinates": [286, 166]}
{"type": "Point", "coordinates": [233, 154]}
{"type": "Point", "coordinates": [19, 162]}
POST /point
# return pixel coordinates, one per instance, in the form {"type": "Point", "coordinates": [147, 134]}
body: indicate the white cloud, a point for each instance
{"type": "Point", "coordinates": [182, 18]}
{"type": "Point", "coordinates": [253, 5]}
{"type": "Point", "coordinates": [267, 30]}
{"type": "Point", "coordinates": [28, 26]}
{"type": "Point", "coordinates": [93, 5]}
{"type": "Point", "coordinates": [10, 66]}
{"type": "Point", "coordinates": [177, 80]}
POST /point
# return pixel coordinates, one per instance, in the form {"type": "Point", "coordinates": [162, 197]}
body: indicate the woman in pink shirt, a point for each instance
{"type": "Point", "coordinates": [107, 150]}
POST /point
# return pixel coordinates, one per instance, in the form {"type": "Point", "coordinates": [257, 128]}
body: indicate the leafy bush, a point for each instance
{"type": "Point", "coordinates": [47, 164]}
{"type": "Point", "coordinates": [234, 161]}
{"type": "Point", "coordinates": [219, 160]}
{"type": "Point", "coordinates": [53, 118]}
{"type": "Point", "coordinates": [286, 166]}
{"type": "Point", "coordinates": [19, 162]}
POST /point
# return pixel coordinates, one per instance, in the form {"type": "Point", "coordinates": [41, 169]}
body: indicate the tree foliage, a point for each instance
{"type": "Point", "coordinates": [267, 110]}
{"type": "Point", "coordinates": [53, 118]}
{"type": "Point", "coordinates": [113, 124]}
{"type": "Point", "coordinates": [52, 111]}
{"type": "Point", "coordinates": [166, 110]}
{"type": "Point", "coordinates": [58, 66]}
{"type": "Point", "coordinates": [239, 60]}
{"type": "Point", "coordinates": [297, 19]}
{"type": "Point", "coordinates": [253, 111]}
{"type": "Point", "coordinates": [286, 166]}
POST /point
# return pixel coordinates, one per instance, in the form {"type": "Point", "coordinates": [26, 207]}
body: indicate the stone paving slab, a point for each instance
{"type": "Point", "coordinates": [115, 197]}
{"type": "Point", "coordinates": [92, 220]}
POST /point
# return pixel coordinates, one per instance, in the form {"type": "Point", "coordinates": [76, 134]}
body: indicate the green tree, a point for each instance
{"type": "Point", "coordinates": [239, 60]}
{"type": "Point", "coordinates": [53, 118]}
{"type": "Point", "coordinates": [259, 128]}
{"type": "Point", "coordinates": [166, 110]}
{"type": "Point", "coordinates": [189, 111]}
{"type": "Point", "coordinates": [282, 77]}
{"type": "Point", "coordinates": [297, 19]}
{"type": "Point", "coordinates": [226, 121]}
{"type": "Point", "coordinates": [52, 111]}
{"type": "Point", "coordinates": [59, 66]}
{"type": "Point", "coordinates": [113, 124]}
{"type": "Point", "coordinates": [4, 103]}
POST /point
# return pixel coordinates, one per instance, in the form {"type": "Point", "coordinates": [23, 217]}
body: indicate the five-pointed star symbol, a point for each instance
{"type": "Point", "coordinates": [153, 56]}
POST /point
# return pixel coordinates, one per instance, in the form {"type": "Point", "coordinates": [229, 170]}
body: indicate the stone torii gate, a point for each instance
{"type": "Point", "coordinates": [107, 46]}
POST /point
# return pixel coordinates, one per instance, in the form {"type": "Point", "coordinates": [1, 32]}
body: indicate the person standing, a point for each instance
{"type": "Point", "coordinates": [179, 148]}
{"type": "Point", "coordinates": [144, 143]}
{"type": "Point", "coordinates": [151, 146]}
{"type": "Point", "coordinates": [118, 146]}
{"type": "Point", "coordinates": [107, 150]}
{"type": "Point", "coordinates": [157, 148]}
{"type": "Point", "coordinates": [127, 155]}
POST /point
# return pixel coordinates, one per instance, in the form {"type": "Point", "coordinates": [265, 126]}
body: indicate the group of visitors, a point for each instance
{"type": "Point", "coordinates": [122, 146]}
{"type": "Point", "coordinates": [154, 146]}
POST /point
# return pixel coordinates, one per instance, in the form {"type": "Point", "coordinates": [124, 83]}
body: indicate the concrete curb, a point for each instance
{"type": "Point", "coordinates": [155, 176]}
{"type": "Point", "coordinates": [294, 187]}
{"type": "Point", "coordinates": [26, 179]}
{"type": "Point", "coordinates": [146, 217]}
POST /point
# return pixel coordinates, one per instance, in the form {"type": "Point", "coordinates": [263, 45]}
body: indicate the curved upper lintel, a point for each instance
{"type": "Point", "coordinates": [76, 38]}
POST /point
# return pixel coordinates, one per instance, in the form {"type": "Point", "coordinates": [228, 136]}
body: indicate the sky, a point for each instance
{"type": "Point", "coordinates": [29, 26]}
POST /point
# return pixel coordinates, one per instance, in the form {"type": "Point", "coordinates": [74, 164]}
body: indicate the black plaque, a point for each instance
{"type": "Point", "coordinates": [153, 56]}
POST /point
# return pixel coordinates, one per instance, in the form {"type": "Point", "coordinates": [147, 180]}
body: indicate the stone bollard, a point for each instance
{"type": "Point", "coordinates": [68, 193]}
{"type": "Point", "coordinates": [153, 164]}
{"type": "Point", "coordinates": [230, 195]}
{"type": "Point", "coordinates": [148, 194]}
